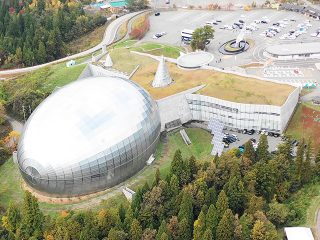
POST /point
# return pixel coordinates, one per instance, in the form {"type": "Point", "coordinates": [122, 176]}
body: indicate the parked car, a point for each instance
{"type": "Point", "coordinates": [251, 132]}
{"type": "Point", "coordinates": [157, 14]}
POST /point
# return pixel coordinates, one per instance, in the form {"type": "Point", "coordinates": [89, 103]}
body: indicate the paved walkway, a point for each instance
{"type": "Point", "coordinates": [16, 125]}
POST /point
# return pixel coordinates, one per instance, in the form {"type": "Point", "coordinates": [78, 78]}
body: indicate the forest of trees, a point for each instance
{"type": "Point", "coordinates": [233, 197]}
{"type": "Point", "coordinates": [36, 31]}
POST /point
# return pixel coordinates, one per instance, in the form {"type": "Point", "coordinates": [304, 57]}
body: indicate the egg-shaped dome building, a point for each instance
{"type": "Point", "coordinates": [87, 136]}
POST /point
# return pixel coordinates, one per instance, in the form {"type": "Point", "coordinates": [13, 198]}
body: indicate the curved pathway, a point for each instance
{"type": "Point", "coordinates": [108, 38]}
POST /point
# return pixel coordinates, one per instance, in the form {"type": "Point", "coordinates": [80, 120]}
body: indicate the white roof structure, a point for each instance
{"type": "Point", "coordinates": [298, 233]}
{"type": "Point", "coordinates": [108, 61]}
{"type": "Point", "coordinates": [194, 60]}
{"type": "Point", "coordinates": [294, 49]}
{"type": "Point", "coordinates": [162, 77]}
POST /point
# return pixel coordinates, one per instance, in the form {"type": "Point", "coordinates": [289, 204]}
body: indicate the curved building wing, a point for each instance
{"type": "Point", "coordinates": [90, 135]}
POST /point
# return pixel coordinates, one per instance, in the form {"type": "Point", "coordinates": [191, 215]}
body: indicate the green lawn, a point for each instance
{"type": "Point", "coordinates": [11, 188]}
{"type": "Point", "coordinates": [59, 75]}
{"type": "Point", "coordinates": [159, 49]}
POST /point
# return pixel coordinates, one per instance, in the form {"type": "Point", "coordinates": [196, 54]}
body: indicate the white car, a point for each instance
{"type": "Point", "coordinates": [257, 21]}
{"type": "Point", "coordinates": [283, 37]}
{"type": "Point", "coordinates": [314, 34]}
{"type": "Point", "coordinates": [158, 35]}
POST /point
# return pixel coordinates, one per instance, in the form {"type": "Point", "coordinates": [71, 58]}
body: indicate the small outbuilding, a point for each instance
{"type": "Point", "coordinates": [298, 233]}
{"type": "Point", "coordinates": [316, 100]}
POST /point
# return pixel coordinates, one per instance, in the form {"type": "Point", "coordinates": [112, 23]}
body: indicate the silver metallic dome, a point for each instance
{"type": "Point", "coordinates": [89, 135]}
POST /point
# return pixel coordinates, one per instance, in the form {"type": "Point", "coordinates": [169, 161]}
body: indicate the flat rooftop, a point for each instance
{"type": "Point", "coordinates": [294, 49]}
{"type": "Point", "coordinates": [195, 59]}
{"type": "Point", "coordinates": [229, 87]}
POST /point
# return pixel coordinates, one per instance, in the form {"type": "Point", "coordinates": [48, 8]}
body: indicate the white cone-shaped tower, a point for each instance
{"type": "Point", "coordinates": [162, 77]}
{"type": "Point", "coordinates": [108, 62]}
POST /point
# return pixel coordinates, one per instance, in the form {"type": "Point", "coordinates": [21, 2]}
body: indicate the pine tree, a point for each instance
{"type": "Point", "coordinates": [207, 235]}
{"type": "Point", "coordinates": [32, 218]}
{"type": "Point", "coordinates": [157, 177]}
{"type": "Point", "coordinates": [236, 194]}
{"type": "Point", "coordinates": [193, 167]}
{"type": "Point", "coordinates": [135, 230]}
{"type": "Point", "coordinates": [262, 149]}
{"type": "Point", "coordinates": [177, 165]}
{"type": "Point", "coordinates": [184, 230]}
{"type": "Point", "coordinates": [173, 227]}
{"type": "Point", "coordinates": [186, 208]}
{"type": "Point", "coordinates": [115, 234]}
{"type": "Point", "coordinates": [164, 236]}
{"type": "Point", "coordinates": [199, 227]}
{"type": "Point", "coordinates": [11, 220]}
{"type": "Point", "coordinates": [259, 231]}
{"type": "Point", "coordinates": [41, 53]}
{"type": "Point", "coordinates": [249, 151]}
{"type": "Point", "coordinates": [212, 219]}
{"type": "Point", "coordinates": [122, 212]}
{"type": "Point", "coordinates": [222, 204]}
{"type": "Point", "coordinates": [174, 185]}
{"type": "Point", "coordinates": [162, 229]}
{"type": "Point", "coordinates": [225, 229]}
{"type": "Point", "coordinates": [211, 196]}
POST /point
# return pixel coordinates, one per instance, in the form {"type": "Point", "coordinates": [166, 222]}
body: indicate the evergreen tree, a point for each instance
{"type": "Point", "coordinates": [11, 220]}
{"type": "Point", "coordinates": [184, 230]}
{"type": "Point", "coordinates": [122, 212]}
{"type": "Point", "coordinates": [236, 194]}
{"type": "Point", "coordinates": [157, 177]}
{"type": "Point", "coordinates": [222, 204]}
{"type": "Point", "coordinates": [41, 53]}
{"type": "Point", "coordinates": [115, 234]}
{"type": "Point", "coordinates": [212, 219]}
{"type": "Point", "coordinates": [177, 165]}
{"type": "Point", "coordinates": [199, 227]}
{"type": "Point", "coordinates": [211, 196]}
{"type": "Point", "coordinates": [174, 185]}
{"type": "Point", "coordinates": [259, 231]}
{"type": "Point", "coordinates": [164, 236]}
{"type": "Point", "coordinates": [135, 230]}
{"type": "Point", "coordinates": [186, 208]}
{"type": "Point", "coordinates": [193, 166]}
{"type": "Point", "coordinates": [41, 5]}
{"type": "Point", "coordinates": [262, 149]}
{"type": "Point", "coordinates": [32, 218]}
{"type": "Point", "coordinates": [173, 228]}
{"type": "Point", "coordinates": [162, 229]}
{"type": "Point", "coordinates": [249, 151]}
{"type": "Point", "coordinates": [225, 229]}
{"type": "Point", "coordinates": [207, 235]}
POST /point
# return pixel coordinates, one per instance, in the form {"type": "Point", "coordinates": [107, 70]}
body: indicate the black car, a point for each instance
{"type": "Point", "coordinates": [265, 22]}
{"type": "Point", "coordinates": [253, 140]}
{"type": "Point", "coordinates": [157, 14]}
{"type": "Point", "coordinates": [251, 132]}
{"type": "Point", "coordinates": [241, 21]}
{"type": "Point", "coordinates": [245, 131]}
{"type": "Point", "coordinates": [276, 135]}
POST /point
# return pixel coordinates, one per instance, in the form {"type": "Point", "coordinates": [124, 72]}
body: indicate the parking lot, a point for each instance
{"type": "Point", "coordinates": [243, 138]}
{"type": "Point", "coordinates": [173, 22]}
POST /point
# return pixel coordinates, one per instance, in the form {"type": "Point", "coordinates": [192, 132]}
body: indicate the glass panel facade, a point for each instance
{"type": "Point", "coordinates": [88, 136]}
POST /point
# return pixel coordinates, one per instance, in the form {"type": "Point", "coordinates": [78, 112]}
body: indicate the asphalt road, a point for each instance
{"type": "Point", "coordinates": [108, 39]}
